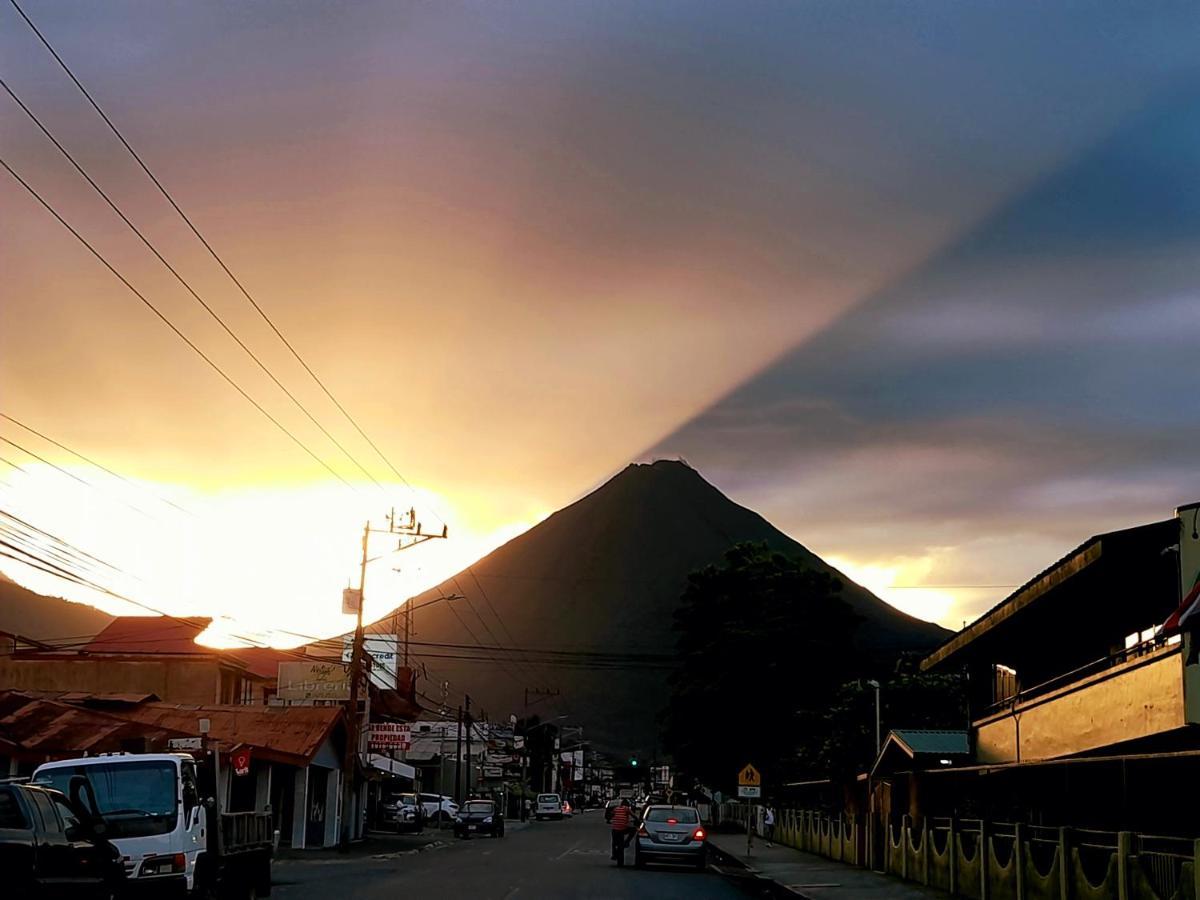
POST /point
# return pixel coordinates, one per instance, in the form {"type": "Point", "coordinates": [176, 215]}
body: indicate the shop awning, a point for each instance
{"type": "Point", "coordinates": [391, 766]}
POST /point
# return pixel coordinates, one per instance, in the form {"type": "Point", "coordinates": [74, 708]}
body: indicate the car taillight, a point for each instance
{"type": "Point", "coordinates": [698, 834]}
{"type": "Point", "coordinates": [672, 821]}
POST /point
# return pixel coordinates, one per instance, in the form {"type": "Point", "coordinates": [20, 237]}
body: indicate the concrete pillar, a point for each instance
{"type": "Point", "coordinates": [905, 843]}
{"type": "Point", "coordinates": [1124, 850]}
{"type": "Point", "coordinates": [926, 836]}
{"type": "Point", "coordinates": [984, 851]}
{"type": "Point", "coordinates": [300, 808]}
{"type": "Point", "coordinates": [333, 812]}
{"type": "Point", "coordinates": [1019, 859]}
{"type": "Point", "coordinates": [952, 855]}
{"type": "Point", "coordinates": [1064, 866]}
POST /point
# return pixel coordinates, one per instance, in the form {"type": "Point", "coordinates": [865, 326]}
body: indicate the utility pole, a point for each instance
{"type": "Point", "coordinates": [458, 761]}
{"type": "Point", "coordinates": [467, 792]}
{"type": "Point", "coordinates": [411, 529]}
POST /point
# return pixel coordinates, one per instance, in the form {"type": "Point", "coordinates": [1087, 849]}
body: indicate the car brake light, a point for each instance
{"type": "Point", "coordinates": [698, 834]}
{"type": "Point", "coordinates": [672, 821]}
{"type": "Point", "coordinates": [179, 863]}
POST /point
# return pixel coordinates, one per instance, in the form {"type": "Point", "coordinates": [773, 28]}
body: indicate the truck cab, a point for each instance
{"type": "Point", "coordinates": [169, 836]}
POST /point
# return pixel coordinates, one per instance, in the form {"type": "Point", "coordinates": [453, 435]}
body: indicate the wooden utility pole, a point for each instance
{"type": "Point", "coordinates": [412, 530]}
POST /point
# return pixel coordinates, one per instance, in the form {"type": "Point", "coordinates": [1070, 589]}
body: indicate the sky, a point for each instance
{"type": "Point", "coordinates": [914, 280]}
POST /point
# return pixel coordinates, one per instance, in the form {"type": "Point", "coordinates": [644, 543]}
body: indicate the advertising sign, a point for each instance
{"type": "Point", "coordinates": [390, 736]}
{"type": "Point", "coordinates": [188, 743]}
{"type": "Point", "coordinates": [351, 601]}
{"type": "Point", "coordinates": [384, 650]}
{"type": "Point", "coordinates": [313, 681]}
{"type": "Point", "coordinates": [241, 761]}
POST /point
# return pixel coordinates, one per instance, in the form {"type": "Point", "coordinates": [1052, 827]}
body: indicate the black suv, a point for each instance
{"type": "Point", "coordinates": [53, 847]}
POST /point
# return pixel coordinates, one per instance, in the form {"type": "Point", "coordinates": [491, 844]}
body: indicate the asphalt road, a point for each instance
{"type": "Point", "coordinates": [567, 859]}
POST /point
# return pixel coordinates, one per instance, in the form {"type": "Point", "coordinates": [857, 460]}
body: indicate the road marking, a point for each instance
{"type": "Point", "coordinates": [569, 850]}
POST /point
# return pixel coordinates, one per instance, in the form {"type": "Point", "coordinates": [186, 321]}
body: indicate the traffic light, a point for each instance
{"type": "Point", "coordinates": [633, 762]}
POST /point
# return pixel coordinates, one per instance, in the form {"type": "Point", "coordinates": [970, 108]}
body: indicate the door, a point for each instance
{"type": "Point", "coordinates": [318, 783]}
{"type": "Point", "coordinates": [89, 861]}
{"type": "Point", "coordinates": [16, 842]}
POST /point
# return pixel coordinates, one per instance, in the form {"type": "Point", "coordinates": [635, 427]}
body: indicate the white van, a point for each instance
{"type": "Point", "coordinates": [549, 806]}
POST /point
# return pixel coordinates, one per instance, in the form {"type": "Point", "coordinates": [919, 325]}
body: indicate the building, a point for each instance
{"type": "Point", "coordinates": [143, 655]}
{"type": "Point", "coordinates": [1083, 705]}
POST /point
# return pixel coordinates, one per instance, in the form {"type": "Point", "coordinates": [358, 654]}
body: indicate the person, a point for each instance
{"type": "Point", "coordinates": [622, 822]}
{"type": "Point", "coordinates": [769, 823]}
{"type": "Point", "coordinates": [525, 805]}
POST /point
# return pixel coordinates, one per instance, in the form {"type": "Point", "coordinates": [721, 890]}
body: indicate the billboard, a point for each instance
{"type": "Point", "coordinates": [313, 681]}
{"type": "Point", "coordinates": [390, 736]}
{"type": "Point", "coordinates": [384, 650]}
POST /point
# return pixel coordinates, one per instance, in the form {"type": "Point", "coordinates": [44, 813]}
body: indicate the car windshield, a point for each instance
{"type": "Point", "coordinates": [547, 798]}
{"type": "Point", "coordinates": [135, 798]}
{"type": "Point", "coordinates": [408, 800]}
{"type": "Point", "coordinates": [672, 816]}
{"type": "Point", "coordinates": [478, 806]}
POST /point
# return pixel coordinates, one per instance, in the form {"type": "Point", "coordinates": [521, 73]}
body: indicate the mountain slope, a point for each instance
{"type": "Point", "coordinates": [43, 618]}
{"type": "Point", "coordinates": [606, 573]}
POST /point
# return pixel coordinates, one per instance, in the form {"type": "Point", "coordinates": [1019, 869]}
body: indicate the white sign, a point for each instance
{"type": "Point", "coordinates": [751, 792]}
{"type": "Point", "coordinates": [384, 650]}
{"type": "Point", "coordinates": [351, 601]}
{"type": "Point", "coordinates": [313, 681]}
{"type": "Point", "coordinates": [390, 736]}
{"type": "Point", "coordinates": [193, 743]}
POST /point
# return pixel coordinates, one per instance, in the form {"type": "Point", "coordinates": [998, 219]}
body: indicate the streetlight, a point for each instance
{"type": "Point", "coordinates": [878, 744]}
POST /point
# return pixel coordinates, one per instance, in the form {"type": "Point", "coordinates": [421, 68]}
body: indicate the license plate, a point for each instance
{"type": "Point", "coordinates": [673, 837]}
{"type": "Point", "coordinates": [472, 827]}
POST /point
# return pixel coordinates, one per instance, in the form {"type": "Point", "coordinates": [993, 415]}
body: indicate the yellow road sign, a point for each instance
{"type": "Point", "coordinates": [749, 777]}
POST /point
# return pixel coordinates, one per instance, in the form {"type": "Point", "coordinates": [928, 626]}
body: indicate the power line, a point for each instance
{"type": "Point", "coordinates": [207, 246]}
{"type": "Point", "coordinates": [187, 286]}
{"type": "Point", "coordinates": [166, 321]}
{"type": "Point", "coordinates": [92, 462]}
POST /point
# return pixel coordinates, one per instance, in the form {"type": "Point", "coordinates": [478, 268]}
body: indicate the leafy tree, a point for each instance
{"type": "Point", "coordinates": [909, 699]}
{"type": "Point", "coordinates": [764, 642]}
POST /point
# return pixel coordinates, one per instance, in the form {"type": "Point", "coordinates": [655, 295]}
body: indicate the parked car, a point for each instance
{"type": "Point", "coordinates": [479, 817]}
{"type": "Point", "coordinates": [50, 847]}
{"type": "Point", "coordinates": [549, 806]}
{"type": "Point", "coordinates": [402, 812]}
{"type": "Point", "coordinates": [438, 808]}
{"type": "Point", "coordinates": [671, 834]}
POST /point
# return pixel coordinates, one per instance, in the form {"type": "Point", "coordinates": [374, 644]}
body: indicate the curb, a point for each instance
{"type": "Point", "coordinates": [736, 870]}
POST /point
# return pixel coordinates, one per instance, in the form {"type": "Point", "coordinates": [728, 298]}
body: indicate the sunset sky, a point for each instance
{"type": "Point", "coordinates": [917, 281]}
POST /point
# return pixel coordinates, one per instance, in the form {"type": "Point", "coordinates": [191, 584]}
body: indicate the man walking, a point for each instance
{"type": "Point", "coordinates": [622, 821]}
{"type": "Point", "coordinates": [769, 824]}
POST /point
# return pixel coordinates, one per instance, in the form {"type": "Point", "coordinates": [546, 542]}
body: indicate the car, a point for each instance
{"type": "Point", "coordinates": [479, 817]}
{"type": "Point", "coordinates": [609, 807]}
{"type": "Point", "coordinates": [51, 847]}
{"type": "Point", "coordinates": [438, 808]}
{"type": "Point", "coordinates": [671, 834]}
{"type": "Point", "coordinates": [548, 806]}
{"type": "Point", "coordinates": [402, 812]}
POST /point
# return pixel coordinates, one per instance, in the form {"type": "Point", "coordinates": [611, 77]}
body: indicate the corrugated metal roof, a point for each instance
{"type": "Point", "coordinates": [151, 634]}
{"type": "Point", "coordinates": [934, 741]}
{"type": "Point", "coordinates": [43, 726]}
{"type": "Point", "coordinates": [288, 734]}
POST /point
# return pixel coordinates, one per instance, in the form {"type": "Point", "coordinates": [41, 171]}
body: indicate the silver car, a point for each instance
{"type": "Point", "coordinates": [671, 834]}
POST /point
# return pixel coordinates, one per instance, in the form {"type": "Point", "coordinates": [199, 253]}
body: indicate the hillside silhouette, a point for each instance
{"type": "Point", "coordinates": [43, 618]}
{"type": "Point", "coordinates": [606, 574]}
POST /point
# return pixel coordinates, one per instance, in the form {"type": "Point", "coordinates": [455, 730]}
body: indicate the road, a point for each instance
{"type": "Point", "coordinates": [567, 859]}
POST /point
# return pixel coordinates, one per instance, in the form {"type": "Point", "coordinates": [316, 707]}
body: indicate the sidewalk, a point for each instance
{"type": "Point", "coordinates": [804, 875]}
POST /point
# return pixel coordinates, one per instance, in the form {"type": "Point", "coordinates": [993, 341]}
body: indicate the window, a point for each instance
{"type": "Point", "coordinates": [686, 816]}
{"type": "Point", "coordinates": [1004, 684]}
{"type": "Point", "coordinates": [45, 808]}
{"type": "Point", "coordinates": [479, 806]}
{"type": "Point", "coordinates": [10, 811]}
{"type": "Point", "coordinates": [70, 820]}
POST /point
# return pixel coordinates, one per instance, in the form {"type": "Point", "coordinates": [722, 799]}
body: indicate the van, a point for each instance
{"type": "Point", "coordinates": [549, 806]}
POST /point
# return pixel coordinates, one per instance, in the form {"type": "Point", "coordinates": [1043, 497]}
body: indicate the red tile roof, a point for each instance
{"type": "Point", "coordinates": [151, 634]}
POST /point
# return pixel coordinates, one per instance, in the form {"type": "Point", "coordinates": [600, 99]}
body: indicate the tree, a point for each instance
{"type": "Point", "coordinates": [909, 699]}
{"type": "Point", "coordinates": [764, 642]}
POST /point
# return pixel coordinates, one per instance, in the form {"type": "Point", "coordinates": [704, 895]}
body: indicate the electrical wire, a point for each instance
{"type": "Point", "coordinates": [186, 285]}
{"type": "Point", "coordinates": [208, 246]}
{"type": "Point", "coordinates": [166, 321]}
{"type": "Point", "coordinates": [92, 462]}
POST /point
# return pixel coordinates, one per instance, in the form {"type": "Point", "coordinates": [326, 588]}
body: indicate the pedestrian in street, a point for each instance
{"type": "Point", "coordinates": [769, 824]}
{"type": "Point", "coordinates": [622, 822]}
{"type": "Point", "coordinates": [526, 805]}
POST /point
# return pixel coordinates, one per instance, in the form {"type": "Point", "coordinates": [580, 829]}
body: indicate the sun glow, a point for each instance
{"type": "Point", "coordinates": [269, 564]}
{"type": "Point", "coordinates": [885, 580]}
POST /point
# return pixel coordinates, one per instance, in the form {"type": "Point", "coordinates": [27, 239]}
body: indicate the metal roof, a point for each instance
{"type": "Point", "coordinates": [932, 741]}
{"type": "Point", "coordinates": [44, 727]}
{"type": "Point", "coordinates": [151, 634]}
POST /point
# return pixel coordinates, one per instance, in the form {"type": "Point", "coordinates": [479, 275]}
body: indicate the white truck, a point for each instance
{"type": "Point", "coordinates": [159, 809]}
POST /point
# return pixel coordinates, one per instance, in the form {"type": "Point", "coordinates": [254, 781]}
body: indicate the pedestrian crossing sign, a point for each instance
{"type": "Point", "coordinates": [749, 777]}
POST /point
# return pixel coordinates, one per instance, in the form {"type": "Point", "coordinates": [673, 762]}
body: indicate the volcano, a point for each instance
{"type": "Point", "coordinates": [590, 594]}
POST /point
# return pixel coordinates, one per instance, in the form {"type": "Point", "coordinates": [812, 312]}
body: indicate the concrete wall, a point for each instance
{"type": "Point", "coordinates": [997, 862]}
{"type": "Point", "coordinates": [173, 681]}
{"type": "Point", "coordinates": [1139, 698]}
